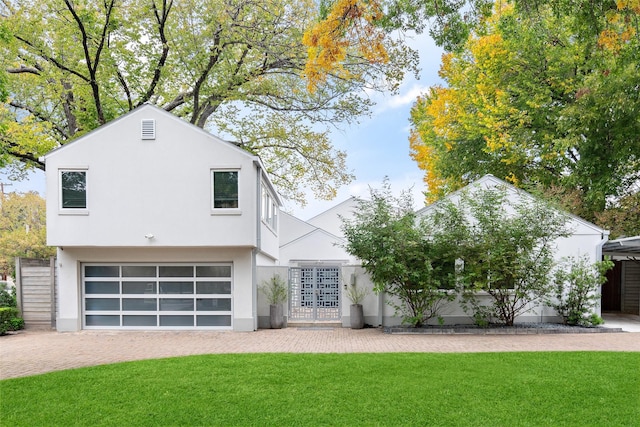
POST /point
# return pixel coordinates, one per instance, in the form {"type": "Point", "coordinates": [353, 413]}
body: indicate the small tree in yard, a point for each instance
{"type": "Point", "coordinates": [396, 252]}
{"type": "Point", "coordinates": [507, 250]}
{"type": "Point", "coordinates": [577, 282]}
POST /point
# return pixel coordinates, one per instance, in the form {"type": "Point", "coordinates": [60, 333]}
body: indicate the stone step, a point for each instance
{"type": "Point", "coordinates": [312, 324]}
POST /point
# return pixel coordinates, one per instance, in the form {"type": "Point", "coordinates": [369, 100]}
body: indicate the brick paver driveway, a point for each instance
{"type": "Point", "coordinates": [34, 352]}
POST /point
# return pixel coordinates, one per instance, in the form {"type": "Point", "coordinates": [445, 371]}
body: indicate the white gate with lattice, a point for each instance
{"type": "Point", "coordinates": [314, 293]}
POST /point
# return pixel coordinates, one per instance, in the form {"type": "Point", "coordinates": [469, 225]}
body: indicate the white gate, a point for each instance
{"type": "Point", "coordinates": [314, 293]}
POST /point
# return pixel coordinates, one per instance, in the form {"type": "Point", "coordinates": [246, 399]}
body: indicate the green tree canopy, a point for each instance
{"type": "Point", "coordinates": [22, 229]}
{"type": "Point", "coordinates": [540, 102]}
{"type": "Point", "coordinates": [233, 67]}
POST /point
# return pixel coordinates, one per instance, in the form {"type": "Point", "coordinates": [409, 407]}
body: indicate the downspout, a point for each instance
{"type": "Point", "coordinates": [258, 247]}
{"type": "Point", "coordinates": [605, 239]}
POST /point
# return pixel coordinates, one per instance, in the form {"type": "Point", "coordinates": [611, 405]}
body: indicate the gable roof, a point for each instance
{"type": "Point", "coordinates": [170, 117]}
{"type": "Point", "coordinates": [315, 232]}
{"type": "Point", "coordinates": [490, 181]}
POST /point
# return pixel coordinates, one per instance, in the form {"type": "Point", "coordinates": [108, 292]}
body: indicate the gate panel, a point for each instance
{"type": "Point", "coordinates": [314, 293]}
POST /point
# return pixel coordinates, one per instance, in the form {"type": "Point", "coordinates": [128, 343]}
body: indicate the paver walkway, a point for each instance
{"type": "Point", "coordinates": [33, 352]}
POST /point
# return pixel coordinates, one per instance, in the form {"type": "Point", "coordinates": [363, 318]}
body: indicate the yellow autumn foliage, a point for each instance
{"type": "Point", "coordinates": [349, 26]}
{"type": "Point", "coordinates": [621, 28]}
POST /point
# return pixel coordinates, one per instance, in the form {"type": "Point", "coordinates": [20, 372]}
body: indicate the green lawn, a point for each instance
{"type": "Point", "coordinates": [480, 389]}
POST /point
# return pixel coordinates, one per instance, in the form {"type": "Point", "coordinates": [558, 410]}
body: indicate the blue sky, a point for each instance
{"type": "Point", "coordinates": [379, 145]}
{"type": "Point", "coordinates": [376, 147]}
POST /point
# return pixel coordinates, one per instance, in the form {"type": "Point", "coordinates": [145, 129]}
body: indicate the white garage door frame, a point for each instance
{"type": "Point", "coordinates": [157, 296]}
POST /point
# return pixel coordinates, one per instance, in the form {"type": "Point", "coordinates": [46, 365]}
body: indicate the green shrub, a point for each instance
{"type": "Point", "coordinates": [10, 320]}
{"type": "Point", "coordinates": [576, 290]}
{"type": "Point", "coordinates": [8, 299]}
{"type": "Point", "coordinates": [17, 323]}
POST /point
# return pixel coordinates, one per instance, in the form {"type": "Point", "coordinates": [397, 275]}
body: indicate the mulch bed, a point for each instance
{"type": "Point", "coordinates": [518, 329]}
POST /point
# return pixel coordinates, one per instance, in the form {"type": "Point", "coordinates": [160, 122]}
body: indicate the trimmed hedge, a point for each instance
{"type": "Point", "coordinates": [10, 320]}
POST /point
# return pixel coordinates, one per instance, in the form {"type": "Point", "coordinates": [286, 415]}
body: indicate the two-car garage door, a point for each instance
{"type": "Point", "coordinates": [157, 296]}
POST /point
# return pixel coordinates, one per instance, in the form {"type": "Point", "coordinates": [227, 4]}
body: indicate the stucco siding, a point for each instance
{"type": "Point", "coordinates": [330, 220]}
{"type": "Point", "coordinates": [161, 187]}
{"type": "Point", "coordinates": [315, 246]}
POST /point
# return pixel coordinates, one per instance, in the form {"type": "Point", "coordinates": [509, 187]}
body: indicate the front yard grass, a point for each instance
{"type": "Point", "coordinates": [395, 389]}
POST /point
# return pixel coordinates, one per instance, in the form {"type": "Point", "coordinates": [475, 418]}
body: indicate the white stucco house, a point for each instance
{"type": "Point", "coordinates": [317, 244]}
{"type": "Point", "coordinates": [161, 225]}
{"type": "Point", "coordinates": [158, 224]}
{"type": "Point", "coordinates": [585, 240]}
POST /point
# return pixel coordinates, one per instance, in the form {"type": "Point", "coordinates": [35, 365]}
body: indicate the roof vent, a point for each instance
{"type": "Point", "coordinates": [148, 128]}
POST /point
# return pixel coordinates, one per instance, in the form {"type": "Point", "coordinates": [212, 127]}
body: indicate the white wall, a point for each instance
{"type": "Point", "coordinates": [292, 228]}
{"type": "Point", "coordinates": [315, 246]}
{"type": "Point", "coordinates": [161, 186]}
{"type": "Point", "coordinates": [330, 221]}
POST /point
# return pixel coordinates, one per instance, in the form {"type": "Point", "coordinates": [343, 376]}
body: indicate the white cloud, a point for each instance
{"type": "Point", "coordinates": [407, 98]}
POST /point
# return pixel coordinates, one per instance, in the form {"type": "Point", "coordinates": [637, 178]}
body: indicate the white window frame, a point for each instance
{"type": "Point", "coordinates": [224, 211]}
{"type": "Point", "coordinates": [269, 209]}
{"type": "Point", "coordinates": [73, 211]}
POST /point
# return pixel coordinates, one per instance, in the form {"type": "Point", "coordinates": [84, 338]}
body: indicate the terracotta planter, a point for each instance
{"type": "Point", "coordinates": [356, 315]}
{"type": "Point", "coordinates": [276, 316]}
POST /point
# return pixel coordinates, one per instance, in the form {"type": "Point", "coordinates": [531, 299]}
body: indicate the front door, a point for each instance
{"type": "Point", "coordinates": [314, 294]}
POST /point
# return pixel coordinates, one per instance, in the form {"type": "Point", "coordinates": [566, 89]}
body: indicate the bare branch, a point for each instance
{"type": "Point", "coordinates": [23, 69]}
{"type": "Point", "coordinates": [51, 59]}
{"type": "Point", "coordinates": [161, 19]}
{"type": "Point", "coordinates": [40, 116]}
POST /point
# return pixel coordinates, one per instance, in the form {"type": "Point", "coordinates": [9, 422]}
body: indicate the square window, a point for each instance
{"type": "Point", "coordinates": [73, 189]}
{"type": "Point", "coordinates": [225, 189]}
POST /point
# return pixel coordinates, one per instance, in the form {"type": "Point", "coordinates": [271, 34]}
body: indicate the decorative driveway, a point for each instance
{"type": "Point", "coordinates": [34, 352]}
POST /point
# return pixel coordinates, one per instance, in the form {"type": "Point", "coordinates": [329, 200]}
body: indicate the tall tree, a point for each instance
{"type": "Point", "coordinates": [537, 101]}
{"type": "Point", "coordinates": [232, 66]}
{"type": "Point", "coordinates": [22, 229]}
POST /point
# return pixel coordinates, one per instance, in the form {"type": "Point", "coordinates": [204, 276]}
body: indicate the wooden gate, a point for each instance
{"type": "Point", "coordinates": [35, 288]}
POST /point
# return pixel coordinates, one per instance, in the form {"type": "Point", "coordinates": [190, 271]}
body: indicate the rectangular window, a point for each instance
{"type": "Point", "coordinates": [269, 211]}
{"type": "Point", "coordinates": [73, 188]}
{"type": "Point", "coordinates": [225, 189]}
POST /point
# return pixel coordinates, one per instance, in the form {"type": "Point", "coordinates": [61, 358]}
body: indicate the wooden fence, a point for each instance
{"type": "Point", "coordinates": [35, 289]}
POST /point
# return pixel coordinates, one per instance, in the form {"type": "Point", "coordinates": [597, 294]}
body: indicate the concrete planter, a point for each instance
{"type": "Point", "coordinates": [276, 316]}
{"type": "Point", "coordinates": [356, 315]}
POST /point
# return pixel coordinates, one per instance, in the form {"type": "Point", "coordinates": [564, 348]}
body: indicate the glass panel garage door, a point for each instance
{"type": "Point", "coordinates": [165, 296]}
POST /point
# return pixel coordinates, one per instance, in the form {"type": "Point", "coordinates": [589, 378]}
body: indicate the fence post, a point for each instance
{"type": "Point", "coordinates": [18, 283]}
{"type": "Point", "coordinates": [54, 303]}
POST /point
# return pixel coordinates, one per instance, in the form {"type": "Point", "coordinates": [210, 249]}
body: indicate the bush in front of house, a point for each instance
{"type": "Point", "coordinates": [504, 249]}
{"type": "Point", "coordinates": [8, 299]}
{"type": "Point", "coordinates": [395, 249]}
{"type": "Point", "coordinates": [577, 282]}
{"type": "Point", "coordinates": [10, 319]}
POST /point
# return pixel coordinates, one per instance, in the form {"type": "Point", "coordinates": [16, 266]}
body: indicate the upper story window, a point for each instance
{"type": "Point", "coordinates": [73, 189]}
{"type": "Point", "coordinates": [225, 189]}
{"type": "Point", "coordinates": [269, 209]}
